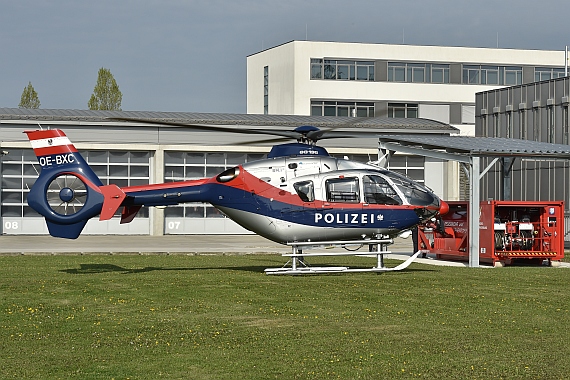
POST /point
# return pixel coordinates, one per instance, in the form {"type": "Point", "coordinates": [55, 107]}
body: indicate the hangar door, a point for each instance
{"type": "Point", "coordinates": [20, 170]}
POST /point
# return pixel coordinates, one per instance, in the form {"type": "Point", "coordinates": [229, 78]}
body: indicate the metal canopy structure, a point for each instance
{"type": "Point", "coordinates": [469, 151]}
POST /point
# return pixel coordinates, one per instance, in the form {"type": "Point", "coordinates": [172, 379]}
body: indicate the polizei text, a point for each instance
{"type": "Point", "coordinates": [348, 218]}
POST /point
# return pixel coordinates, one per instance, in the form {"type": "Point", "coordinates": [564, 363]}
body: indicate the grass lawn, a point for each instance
{"type": "Point", "coordinates": [220, 317]}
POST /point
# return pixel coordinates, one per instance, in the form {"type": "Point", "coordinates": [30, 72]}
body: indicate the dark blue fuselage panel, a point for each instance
{"type": "Point", "coordinates": [297, 149]}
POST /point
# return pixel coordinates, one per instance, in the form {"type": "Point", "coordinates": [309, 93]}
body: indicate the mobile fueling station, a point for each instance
{"type": "Point", "coordinates": [499, 232]}
{"type": "Point", "coordinates": [509, 232]}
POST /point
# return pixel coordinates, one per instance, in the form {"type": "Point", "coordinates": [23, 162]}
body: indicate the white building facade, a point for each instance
{"type": "Point", "coordinates": [364, 80]}
{"type": "Point", "coordinates": [357, 79]}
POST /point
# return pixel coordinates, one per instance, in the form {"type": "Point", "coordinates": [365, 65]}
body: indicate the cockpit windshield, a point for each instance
{"type": "Point", "coordinates": [415, 193]}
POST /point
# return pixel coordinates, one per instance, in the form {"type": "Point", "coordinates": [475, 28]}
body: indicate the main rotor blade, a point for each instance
{"type": "Point", "coordinates": [211, 128]}
{"type": "Point", "coordinates": [275, 140]}
{"type": "Point", "coordinates": [360, 127]}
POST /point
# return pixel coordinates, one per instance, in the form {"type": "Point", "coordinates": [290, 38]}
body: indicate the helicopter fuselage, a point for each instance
{"type": "Point", "coordinates": [304, 198]}
{"type": "Point", "coordinates": [298, 194]}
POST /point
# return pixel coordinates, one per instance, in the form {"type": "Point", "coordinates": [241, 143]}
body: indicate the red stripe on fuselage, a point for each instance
{"type": "Point", "coordinates": [166, 186]}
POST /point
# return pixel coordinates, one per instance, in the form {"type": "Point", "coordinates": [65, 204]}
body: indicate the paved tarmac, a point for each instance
{"type": "Point", "coordinates": [179, 244]}
{"type": "Point", "coordinates": [172, 244]}
{"type": "Point", "coordinates": [168, 244]}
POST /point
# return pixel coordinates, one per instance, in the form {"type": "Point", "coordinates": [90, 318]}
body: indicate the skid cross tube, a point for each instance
{"type": "Point", "coordinates": [297, 265]}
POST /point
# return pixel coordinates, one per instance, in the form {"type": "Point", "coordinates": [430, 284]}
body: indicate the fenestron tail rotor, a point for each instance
{"type": "Point", "coordinates": [66, 194]}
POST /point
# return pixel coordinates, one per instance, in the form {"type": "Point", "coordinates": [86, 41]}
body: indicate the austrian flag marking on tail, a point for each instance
{"type": "Point", "coordinates": [50, 142]}
{"type": "Point", "coordinates": [56, 141]}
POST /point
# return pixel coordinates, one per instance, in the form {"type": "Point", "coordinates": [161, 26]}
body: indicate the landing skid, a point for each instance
{"type": "Point", "coordinates": [297, 265]}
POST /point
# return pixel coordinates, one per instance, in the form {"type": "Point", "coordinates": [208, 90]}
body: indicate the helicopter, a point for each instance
{"type": "Point", "coordinates": [299, 195]}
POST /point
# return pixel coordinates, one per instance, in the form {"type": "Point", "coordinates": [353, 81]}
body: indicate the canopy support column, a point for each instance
{"type": "Point", "coordinates": [474, 181]}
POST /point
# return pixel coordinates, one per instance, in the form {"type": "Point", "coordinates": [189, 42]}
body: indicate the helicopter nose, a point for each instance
{"type": "Point", "coordinates": [443, 208]}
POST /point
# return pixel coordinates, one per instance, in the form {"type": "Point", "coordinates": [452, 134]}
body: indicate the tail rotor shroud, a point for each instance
{"type": "Point", "coordinates": [66, 194]}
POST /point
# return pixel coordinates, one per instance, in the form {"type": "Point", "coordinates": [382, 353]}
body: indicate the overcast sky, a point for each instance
{"type": "Point", "coordinates": [190, 55]}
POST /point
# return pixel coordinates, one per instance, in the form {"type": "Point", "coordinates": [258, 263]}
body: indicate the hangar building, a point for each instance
{"type": "Point", "coordinates": [130, 154]}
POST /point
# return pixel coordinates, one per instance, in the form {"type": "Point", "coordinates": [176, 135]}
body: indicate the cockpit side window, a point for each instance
{"type": "Point", "coordinates": [378, 191]}
{"type": "Point", "coordinates": [343, 190]}
{"type": "Point", "coordinates": [305, 190]}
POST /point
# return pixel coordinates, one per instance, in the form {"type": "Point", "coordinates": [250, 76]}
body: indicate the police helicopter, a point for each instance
{"type": "Point", "coordinates": [299, 195]}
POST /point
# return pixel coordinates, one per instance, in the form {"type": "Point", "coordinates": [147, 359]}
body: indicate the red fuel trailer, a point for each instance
{"type": "Point", "coordinates": [508, 231]}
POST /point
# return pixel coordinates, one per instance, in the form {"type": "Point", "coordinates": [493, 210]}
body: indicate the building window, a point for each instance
{"type": "Point", "coordinates": [546, 73]}
{"type": "Point", "coordinates": [513, 75]}
{"type": "Point", "coordinates": [396, 72]}
{"type": "Point", "coordinates": [333, 69]}
{"type": "Point", "coordinates": [418, 72]}
{"type": "Point", "coordinates": [411, 166]}
{"type": "Point", "coordinates": [497, 125]}
{"type": "Point", "coordinates": [492, 75]}
{"type": "Point", "coordinates": [316, 68]}
{"type": "Point", "coordinates": [338, 108]}
{"type": "Point", "coordinates": [439, 73]}
{"type": "Point", "coordinates": [403, 110]}
{"type": "Point", "coordinates": [266, 90]}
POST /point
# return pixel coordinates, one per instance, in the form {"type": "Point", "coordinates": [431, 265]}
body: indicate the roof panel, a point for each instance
{"type": "Point", "coordinates": [481, 146]}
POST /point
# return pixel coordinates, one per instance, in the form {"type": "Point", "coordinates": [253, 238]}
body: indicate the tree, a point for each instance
{"type": "Point", "coordinates": [29, 97]}
{"type": "Point", "coordinates": [106, 94]}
